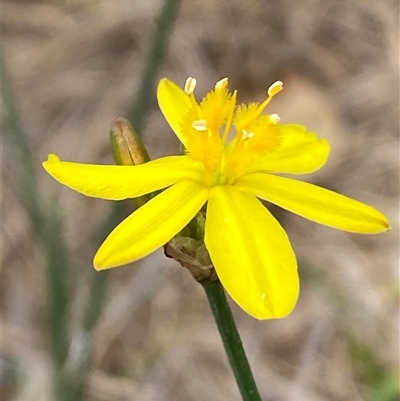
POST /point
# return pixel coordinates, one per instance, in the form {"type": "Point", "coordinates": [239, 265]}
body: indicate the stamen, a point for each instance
{"type": "Point", "coordinates": [272, 91]}
{"type": "Point", "coordinates": [274, 119]}
{"type": "Point", "coordinates": [230, 118]}
{"type": "Point", "coordinates": [200, 125]}
{"type": "Point", "coordinates": [275, 88]}
{"type": "Point", "coordinates": [190, 84]}
{"type": "Point", "coordinates": [221, 84]}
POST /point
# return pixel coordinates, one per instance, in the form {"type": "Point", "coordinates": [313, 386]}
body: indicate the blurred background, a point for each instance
{"type": "Point", "coordinates": [145, 331]}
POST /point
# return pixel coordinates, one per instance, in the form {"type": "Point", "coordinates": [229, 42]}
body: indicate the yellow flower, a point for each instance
{"type": "Point", "coordinates": [249, 249]}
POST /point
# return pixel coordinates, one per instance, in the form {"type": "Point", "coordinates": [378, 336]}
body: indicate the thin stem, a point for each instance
{"type": "Point", "coordinates": [46, 226]}
{"type": "Point", "coordinates": [77, 376]}
{"type": "Point", "coordinates": [164, 24]}
{"type": "Point", "coordinates": [231, 340]}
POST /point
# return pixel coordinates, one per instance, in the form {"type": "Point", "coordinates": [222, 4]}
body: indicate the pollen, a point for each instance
{"type": "Point", "coordinates": [199, 125]}
{"type": "Point", "coordinates": [190, 85]}
{"type": "Point", "coordinates": [274, 119]}
{"type": "Point", "coordinates": [221, 84]}
{"type": "Point", "coordinates": [247, 135]}
{"type": "Point", "coordinates": [275, 88]}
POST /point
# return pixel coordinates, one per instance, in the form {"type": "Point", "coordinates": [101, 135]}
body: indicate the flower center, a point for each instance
{"type": "Point", "coordinates": [208, 124]}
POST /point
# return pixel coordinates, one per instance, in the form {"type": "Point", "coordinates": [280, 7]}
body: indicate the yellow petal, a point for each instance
{"type": "Point", "coordinates": [122, 182]}
{"type": "Point", "coordinates": [251, 254]}
{"type": "Point", "coordinates": [300, 152]}
{"type": "Point", "coordinates": [151, 226]}
{"type": "Point", "coordinates": [174, 104]}
{"type": "Point", "coordinates": [316, 203]}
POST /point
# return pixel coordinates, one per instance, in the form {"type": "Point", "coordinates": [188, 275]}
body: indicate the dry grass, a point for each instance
{"type": "Point", "coordinates": [75, 65]}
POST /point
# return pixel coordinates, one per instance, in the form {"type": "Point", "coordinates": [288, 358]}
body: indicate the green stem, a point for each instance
{"type": "Point", "coordinates": [231, 340]}
{"type": "Point", "coordinates": [94, 307]}
{"type": "Point", "coordinates": [46, 226]}
{"type": "Point", "coordinates": [164, 24]}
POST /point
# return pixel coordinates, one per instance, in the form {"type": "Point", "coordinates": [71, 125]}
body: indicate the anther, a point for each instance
{"type": "Point", "coordinates": [275, 88]}
{"type": "Point", "coordinates": [246, 135]}
{"type": "Point", "coordinates": [222, 83]}
{"type": "Point", "coordinates": [190, 84]}
{"type": "Point", "coordinates": [274, 119]}
{"type": "Point", "coordinates": [200, 125]}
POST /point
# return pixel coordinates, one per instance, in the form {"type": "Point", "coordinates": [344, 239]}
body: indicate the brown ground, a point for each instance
{"type": "Point", "coordinates": [75, 65]}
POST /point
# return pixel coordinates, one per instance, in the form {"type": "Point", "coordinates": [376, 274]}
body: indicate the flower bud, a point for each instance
{"type": "Point", "coordinates": [127, 146]}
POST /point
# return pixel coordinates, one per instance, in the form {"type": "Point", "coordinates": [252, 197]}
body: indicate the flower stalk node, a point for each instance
{"type": "Point", "coordinates": [192, 255]}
